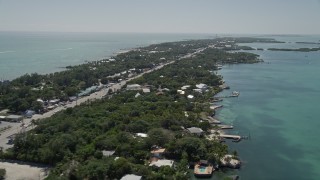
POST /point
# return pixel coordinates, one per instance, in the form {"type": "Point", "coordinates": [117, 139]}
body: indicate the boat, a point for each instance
{"type": "Point", "coordinates": [235, 94]}
{"type": "Point", "coordinates": [203, 169]}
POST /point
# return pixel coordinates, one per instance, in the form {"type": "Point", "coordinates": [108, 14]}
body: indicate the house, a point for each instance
{"type": "Point", "coordinates": [146, 90]}
{"type": "Point", "coordinates": [40, 101]}
{"type": "Point", "coordinates": [195, 130]}
{"type": "Point", "coordinates": [54, 101]}
{"type": "Point", "coordinates": [133, 87]}
{"type": "Point", "coordinates": [190, 96]}
{"type": "Point", "coordinates": [14, 118]}
{"type": "Point", "coordinates": [131, 177]}
{"type": "Point", "coordinates": [108, 153]}
{"type": "Point", "coordinates": [202, 86]}
{"type": "Point", "coordinates": [162, 162]}
{"type": "Point", "coordinates": [197, 90]}
{"type": "Point", "coordinates": [181, 92]}
{"type": "Point", "coordinates": [143, 135]}
{"type": "Point", "coordinates": [158, 152]}
{"type": "Point", "coordinates": [2, 118]}
{"type": "Point", "coordinates": [185, 87]}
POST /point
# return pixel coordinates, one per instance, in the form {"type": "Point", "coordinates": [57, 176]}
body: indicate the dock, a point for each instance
{"type": "Point", "coordinates": [223, 126]}
{"type": "Point", "coordinates": [212, 120]}
{"type": "Point", "coordinates": [228, 136]}
{"type": "Point", "coordinates": [216, 107]}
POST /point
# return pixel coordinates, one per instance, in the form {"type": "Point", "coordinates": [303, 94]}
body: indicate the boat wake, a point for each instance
{"type": "Point", "coordinates": [66, 49]}
{"type": "Point", "coordinates": [3, 52]}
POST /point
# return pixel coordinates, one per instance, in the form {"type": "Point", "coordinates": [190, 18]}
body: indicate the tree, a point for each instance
{"type": "Point", "coordinates": [2, 174]}
{"type": "Point", "coordinates": [158, 137]}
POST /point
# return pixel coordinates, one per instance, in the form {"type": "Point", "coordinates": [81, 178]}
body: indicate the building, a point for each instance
{"type": "Point", "coordinates": [197, 90]}
{"type": "Point", "coordinates": [14, 118]}
{"type": "Point", "coordinates": [143, 135]}
{"type": "Point", "coordinates": [196, 131]}
{"type": "Point", "coordinates": [202, 86]}
{"type": "Point", "coordinates": [134, 87]}
{"type": "Point", "coordinates": [131, 177]}
{"type": "Point", "coordinates": [146, 90]}
{"type": "Point", "coordinates": [158, 152]}
{"type": "Point", "coordinates": [162, 162]}
{"type": "Point", "coordinates": [190, 96]}
{"type": "Point", "coordinates": [185, 87]}
{"type": "Point", "coordinates": [54, 101]}
{"type": "Point", "coordinates": [108, 153]}
{"type": "Point", "coordinates": [2, 118]}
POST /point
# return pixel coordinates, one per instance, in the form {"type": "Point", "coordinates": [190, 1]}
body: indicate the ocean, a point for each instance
{"type": "Point", "coordinates": [47, 52]}
{"type": "Point", "coordinates": [277, 107]}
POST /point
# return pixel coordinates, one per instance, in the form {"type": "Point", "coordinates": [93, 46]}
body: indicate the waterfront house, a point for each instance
{"type": "Point", "coordinates": [202, 86]}
{"type": "Point", "coordinates": [195, 131]}
{"type": "Point", "coordinates": [203, 169]}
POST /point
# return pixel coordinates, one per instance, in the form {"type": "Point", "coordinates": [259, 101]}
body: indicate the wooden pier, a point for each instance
{"type": "Point", "coordinates": [223, 126]}
{"type": "Point", "coordinates": [228, 136]}
{"type": "Point", "coordinates": [214, 107]}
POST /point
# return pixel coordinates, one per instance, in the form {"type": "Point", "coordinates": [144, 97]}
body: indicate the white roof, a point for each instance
{"type": "Point", "coordinates": [185, 87]}
{"type": "Point", "coordinates": [131, 177]}
{"type": "Point", "coordinates": [190, 96]}
{"type": "Point", "coordinates": [133, 85]}
{"type": "Point", "coordinates": [201, 86]}
{"type": "Point", "coordinates": [108, 153]}
{"type": "Point", "coordinates": [142, 135]}
{"type": "Point", "coordinates": [162, 162]}
{"type": "Point", "coordinates": [13, 116]}
{"type": "Point", "coordinates": [146, 90]}
{"type": "Point", "coordinates": [2, 117]}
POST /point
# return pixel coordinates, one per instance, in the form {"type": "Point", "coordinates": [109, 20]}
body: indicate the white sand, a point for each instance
{"type": "Point", "coordinates": [15, 171]}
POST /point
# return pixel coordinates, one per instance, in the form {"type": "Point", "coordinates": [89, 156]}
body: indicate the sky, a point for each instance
{"type": "Point", "coordinates": [162, 16]}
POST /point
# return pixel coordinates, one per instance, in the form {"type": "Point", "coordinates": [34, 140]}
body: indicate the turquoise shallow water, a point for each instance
{"type": "Point", "coordinates": [279, 108]}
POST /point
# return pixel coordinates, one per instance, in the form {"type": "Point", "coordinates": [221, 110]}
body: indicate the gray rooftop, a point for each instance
{"type": "Point", "coordinates": [195, 130]}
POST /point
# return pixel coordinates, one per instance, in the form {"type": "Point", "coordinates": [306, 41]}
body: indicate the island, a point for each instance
{"type": "Point", "coordinates": [147, 113]}
{"type": "Point", "coordinates": [299, 49]}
